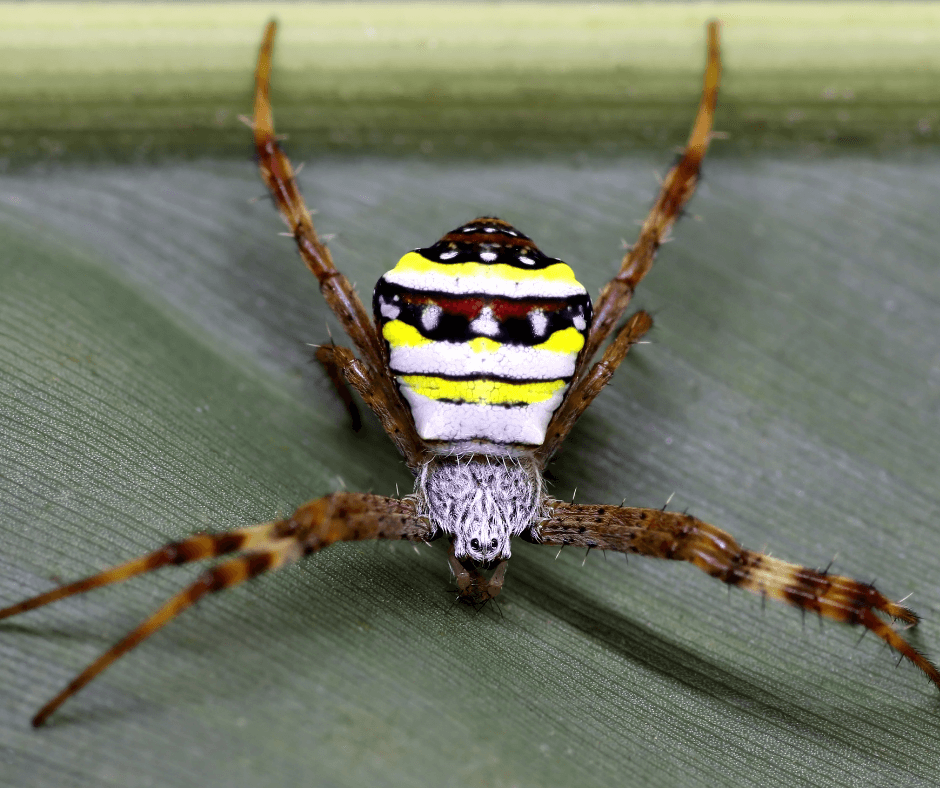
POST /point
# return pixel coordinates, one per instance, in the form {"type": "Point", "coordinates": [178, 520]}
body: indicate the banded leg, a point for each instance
{"type": "Point", "coordinates": [315, 525]}
{"type": "Point", "coordinates": [340, 295]}
{"type": "Point", "coordinates": [681, 537]}
{"type": "Point", "coordinates": [677, 189]}
{"type": "Point", "coordinates": [583, 391]}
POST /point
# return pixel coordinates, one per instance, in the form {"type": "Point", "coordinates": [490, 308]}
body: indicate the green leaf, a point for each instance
{"type": "Point", "coordinates": [144, 82]}
{"type": "Point", "coordinates": [154, 381]}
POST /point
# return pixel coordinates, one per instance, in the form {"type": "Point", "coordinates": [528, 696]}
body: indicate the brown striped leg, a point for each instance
{"type": "Point", "coordinates": [677, 188]}
{"type": "Point", "coordinates": [385, 408]}
{"type": "Point", "coordinates": [472, 586]}
{"type": "Point", "coordinates": [326, 355]}
{"type": "Point", "coordinates": [315, 525]}
{"type": "Point", "coordinates": [583, 391]}
{"type": "Point", "coordinates": [682, 537]}
{"type": "Point", "coordinates": [278, 175]}
{"type": "Point", "coordinates": [340, 295]}
{"type": "Point", "coordinates": [195, 548]}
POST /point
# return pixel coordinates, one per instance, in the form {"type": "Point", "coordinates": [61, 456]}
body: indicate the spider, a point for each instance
{"type": "Point", "coordinates": [478, 365]}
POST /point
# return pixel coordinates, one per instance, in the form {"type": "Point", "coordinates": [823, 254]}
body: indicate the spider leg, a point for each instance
{"type": "Point", "coordinates": [386, 407]}
{"type": "Point", "coordinates": [678, 536]}
{"type": "Point", "coordinates": [278, 176]}
{"type": "Point", "coordinates": [225, 575]}
{"type": "Point", "coordinates": [473, 586]}
{"type": "Point", "coordinates": [326, 355]}
{"type": "Point", "coordinates": [678, 186]}
{"type": "Point", "coordinates": [315, 525]}
{"type": "Point", "coordinates": [194, 548]}
{"type": "Point", "coordinates": [340, 295]}
{"type": "Point", "coordinates": [584, 391]}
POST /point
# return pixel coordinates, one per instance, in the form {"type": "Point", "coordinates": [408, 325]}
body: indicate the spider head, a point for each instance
{"type": "Point", "coordinates": [481, 542]}
{"type": "Point", "coordinates": [480, 502]}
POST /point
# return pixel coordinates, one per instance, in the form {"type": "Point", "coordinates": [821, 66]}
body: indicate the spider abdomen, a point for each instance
{"type": "Point", "coordinates": [483, 332]}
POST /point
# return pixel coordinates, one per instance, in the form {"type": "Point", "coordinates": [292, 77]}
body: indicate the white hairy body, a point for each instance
{"type": "Point", "coordinates": [481, 502]}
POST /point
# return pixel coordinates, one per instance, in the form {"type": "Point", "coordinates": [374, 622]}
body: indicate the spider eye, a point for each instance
{"type": "Point", "coordinates": [493, 543]}
{"type": "Point", "coordinates": [475, 544]}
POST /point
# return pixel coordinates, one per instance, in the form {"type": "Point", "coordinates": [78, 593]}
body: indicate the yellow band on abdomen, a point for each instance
{"type": "Point", "coordinates": [486, 392]}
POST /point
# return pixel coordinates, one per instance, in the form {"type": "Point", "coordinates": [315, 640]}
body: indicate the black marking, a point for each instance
{"type": "Point", "coordinates": [807, 589]}
{"type": "Point", "coordinates": [228, 543]}
{"type": "Point", "coordinates": [480, 377]}
{"type": "Point", "coordinates": [487, 252]}
{"type": "Point", "coordinates": [258, 563]}
{"type": "Point", "coordinates": [490, 241]}
{"type": "Point", "coordinates": [453, 323]}
{"type": "Point", "coordinates": [508, 405]}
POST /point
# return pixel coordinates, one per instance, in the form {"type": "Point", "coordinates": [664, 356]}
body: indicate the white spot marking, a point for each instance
{"type": "Point", "coordinates": [485, 323]}
{"type": "Point", "coordinates": [579, 323]}
{"type": "Point", "coordinates": [430, 317]}
{"type": "Point", "coordinates": [389, 310]}
{"type": "Point", "coordinates": [487, 257]}
{"type": "Point", "coordinates": [526, 260]}
{"type": "Point", "coordinates": [448, 255]}
{"type": "Point", "coordinates": [539, 322]}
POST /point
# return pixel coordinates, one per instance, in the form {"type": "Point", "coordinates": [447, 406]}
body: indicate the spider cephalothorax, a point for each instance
{"type": "Point", "coordinates": [478, 365]}
{"type": "Point", "coordinates": [480, 502]}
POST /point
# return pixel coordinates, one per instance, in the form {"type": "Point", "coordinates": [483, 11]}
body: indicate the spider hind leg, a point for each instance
{"type": "Point", "coordinates": [332, 364]}
{"type": "Point", "coordinates": [583, 392]}
{"type": "Point", "coordinates": [369, 374]}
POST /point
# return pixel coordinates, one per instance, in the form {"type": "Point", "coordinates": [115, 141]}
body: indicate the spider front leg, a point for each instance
{"type": "Point", "coordinates": [681, 537]}
{"type": "Point", "coordinates": [315, 525]}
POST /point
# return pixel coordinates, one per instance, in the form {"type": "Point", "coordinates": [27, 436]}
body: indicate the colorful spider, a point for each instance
{"type": "Point", "coordinates": [478, 365]}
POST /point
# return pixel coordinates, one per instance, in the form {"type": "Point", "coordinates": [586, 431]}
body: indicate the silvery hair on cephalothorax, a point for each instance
{"type": "Point", "coordinates": [480, 503]}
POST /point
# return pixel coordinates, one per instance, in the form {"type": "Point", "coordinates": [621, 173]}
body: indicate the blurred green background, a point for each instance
{"type": "Point", "coordinates": [140, 82]}
{"type": "Point", "coordinates": [154, 381]}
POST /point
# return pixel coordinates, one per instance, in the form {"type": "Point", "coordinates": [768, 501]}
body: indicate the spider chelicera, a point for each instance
{"type": "Point", "coordinates": [478, 364]}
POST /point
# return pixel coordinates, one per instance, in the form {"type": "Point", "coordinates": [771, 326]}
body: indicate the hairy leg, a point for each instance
{"type": "Point", "coordinates": [677, 189]}
{"type": "Point", "coordinates": [315, 525]}
{"type": "Point", "coordinates": [386, 408]}
{"type": "Point", "coordinates": [278, 175]}
{"type": "Point", "coordinates": [584, 391]}
{"type": "Point", "coordinates": [681, 537]}
{"type": "Point", "coordinates": [340, 295]}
